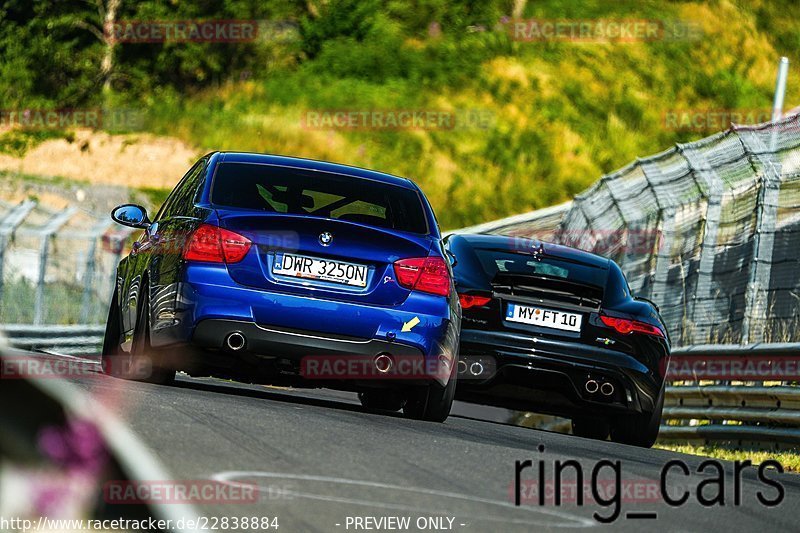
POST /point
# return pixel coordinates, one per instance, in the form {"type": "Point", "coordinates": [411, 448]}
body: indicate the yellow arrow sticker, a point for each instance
{"type": "Point", "coordinates": [410, 324]}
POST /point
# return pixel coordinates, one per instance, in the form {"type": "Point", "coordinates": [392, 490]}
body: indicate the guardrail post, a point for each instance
{"type": "Point", "coordinates": [764, 238]}
{"type": "Point", "coordinates": [700, 166]}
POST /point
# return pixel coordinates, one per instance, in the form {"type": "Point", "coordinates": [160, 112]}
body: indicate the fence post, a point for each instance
{"type": "Point", "coordinates": [664, 257]}
{"type": "Point", "coordinates": [764, 237]}
{"type": "Point", "coordinates": [607, 179]}
{"type": "Point", "coordinates": [52, 226]}
{"type": "Point", "coordinates": [88, 276]}
{"type": "Point", "coordinates": [8, 224]}
{"type": "Point", "coordinates": [699, 165]}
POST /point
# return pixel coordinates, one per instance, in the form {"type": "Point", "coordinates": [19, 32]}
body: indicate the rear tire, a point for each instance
{"type": "Point", "coordinates": [142, 351]}
{"type": "Point", "coordinates": [381, 400]}
{"type": "Point", "coordinates": [639, 430]}
{"type": "Point", "coordinates": [433, 403]}
{"type": "Point", "coordinates": [590, 428]}
{"type": "Point", "coordinates": [114, 360]}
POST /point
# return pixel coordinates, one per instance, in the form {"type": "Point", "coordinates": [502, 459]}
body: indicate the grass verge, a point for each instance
{"type": "Point", "coordinates": [789, 459]}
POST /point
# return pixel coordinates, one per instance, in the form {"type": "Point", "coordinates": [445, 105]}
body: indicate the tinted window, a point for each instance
{"type": "Point", "coordinates": [500, 262]}
{"type": "Point", "coordinates": [302, 192]}
{"type": "Point", "coordinates": [182, 198]}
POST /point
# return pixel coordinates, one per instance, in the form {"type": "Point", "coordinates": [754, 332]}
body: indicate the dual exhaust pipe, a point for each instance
{"type": "Point", "coordinates": [235, 342]}
{"type": "Point", "coordinates": [475, 369]}
{"type": "Point", "coordinates": [605, 388]}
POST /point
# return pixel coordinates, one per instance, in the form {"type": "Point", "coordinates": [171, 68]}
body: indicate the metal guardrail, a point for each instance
{"type": "Point", "coordinates": [757, 409]}
{"type": "Point", "coordinates": [70, 340]}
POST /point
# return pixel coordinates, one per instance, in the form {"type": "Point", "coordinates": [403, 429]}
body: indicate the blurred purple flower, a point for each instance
{"type": "Point", "coordinates": [49, 500]}
{"type": "Point", "coordinates": [78, 446]}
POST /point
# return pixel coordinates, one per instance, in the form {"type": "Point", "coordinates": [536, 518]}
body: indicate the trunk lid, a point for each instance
{"type": "Point", "coordinates": [528, 287]}
{"type": "Point", "coordinates": [365, 253]}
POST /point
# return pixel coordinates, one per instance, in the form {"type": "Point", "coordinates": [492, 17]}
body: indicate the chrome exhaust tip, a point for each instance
{"type": "Point", "coordinates": [476, 369]}
{"type": "Point", "coordinates": [591, 386]}
{"type": "Point", "coordinates": [462, 367]}
{"type": "Point", "coordinates": [383, 363]}
{"type": "Point", "coordinates": [607, 389]}
{"type": "Point", "coordinates": [235, 341]}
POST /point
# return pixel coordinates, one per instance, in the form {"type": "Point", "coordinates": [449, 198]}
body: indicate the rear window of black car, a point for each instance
{"type": "Point", "coordinates": [296, 191]}
{"type": "Point", "coordinates": [496, 262]}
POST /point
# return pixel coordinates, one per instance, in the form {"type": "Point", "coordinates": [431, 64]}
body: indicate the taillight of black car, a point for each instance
{"type": "Point", "coordinates": [469, 301]}
{"type": "Point", "coordinates": [625, 326]}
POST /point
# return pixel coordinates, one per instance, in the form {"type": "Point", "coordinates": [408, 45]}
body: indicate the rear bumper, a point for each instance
{"type": "Point", "coordinates": [210, 306]}
{"type": "Point", "coordinates": [313, 356]}
{"type": "Point", "coordinates": [537, 374]}
{"type": "Point", "coordinates": [293, 344]}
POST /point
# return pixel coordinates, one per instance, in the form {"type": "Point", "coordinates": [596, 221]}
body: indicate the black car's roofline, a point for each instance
{"type": "Point", "coordinates": [522, 245]}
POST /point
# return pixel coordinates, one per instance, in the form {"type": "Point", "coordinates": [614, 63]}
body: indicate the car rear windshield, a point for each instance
{"type": "Point", "coordinates": [496, 262]}
{"type": "Point", "coordinates": [295, 191]}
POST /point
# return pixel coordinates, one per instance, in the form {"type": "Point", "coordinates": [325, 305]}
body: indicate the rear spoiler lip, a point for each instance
{"type": "Point", "coordinates": [546, 254]}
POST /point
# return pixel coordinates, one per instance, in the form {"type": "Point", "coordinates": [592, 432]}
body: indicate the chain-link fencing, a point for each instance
{"type": "Point", "coordinates": [57, 265]}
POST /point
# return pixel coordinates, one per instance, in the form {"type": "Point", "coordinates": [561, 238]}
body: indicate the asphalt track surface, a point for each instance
{"type": "Point", "coordinates": [322, 462]}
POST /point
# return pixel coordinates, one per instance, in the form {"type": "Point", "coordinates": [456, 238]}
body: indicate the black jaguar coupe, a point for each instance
{"type": "Point", "coordinates": [556, 330]}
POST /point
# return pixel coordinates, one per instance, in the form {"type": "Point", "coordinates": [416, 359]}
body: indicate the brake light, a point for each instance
{"type": "Point", "coordinates": [626, 327]}
{"type": "Point", "coordinates": [426, 274]}
{"type": "Point", "coordinates": [473, 300]}
{"type": "Point", "coordinates": [213, 244]}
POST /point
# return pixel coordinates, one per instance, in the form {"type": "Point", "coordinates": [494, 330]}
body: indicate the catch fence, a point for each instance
{"type": "Point", "coordinates": [57, 266]}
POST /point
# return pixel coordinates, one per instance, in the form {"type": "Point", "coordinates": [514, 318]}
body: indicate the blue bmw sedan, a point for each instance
{"type": "Point", "coordinates": [280, 270]}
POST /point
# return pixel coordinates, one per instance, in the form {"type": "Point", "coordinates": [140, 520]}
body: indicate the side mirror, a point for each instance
{"type": "Point", "coordinates": [131, 215]}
